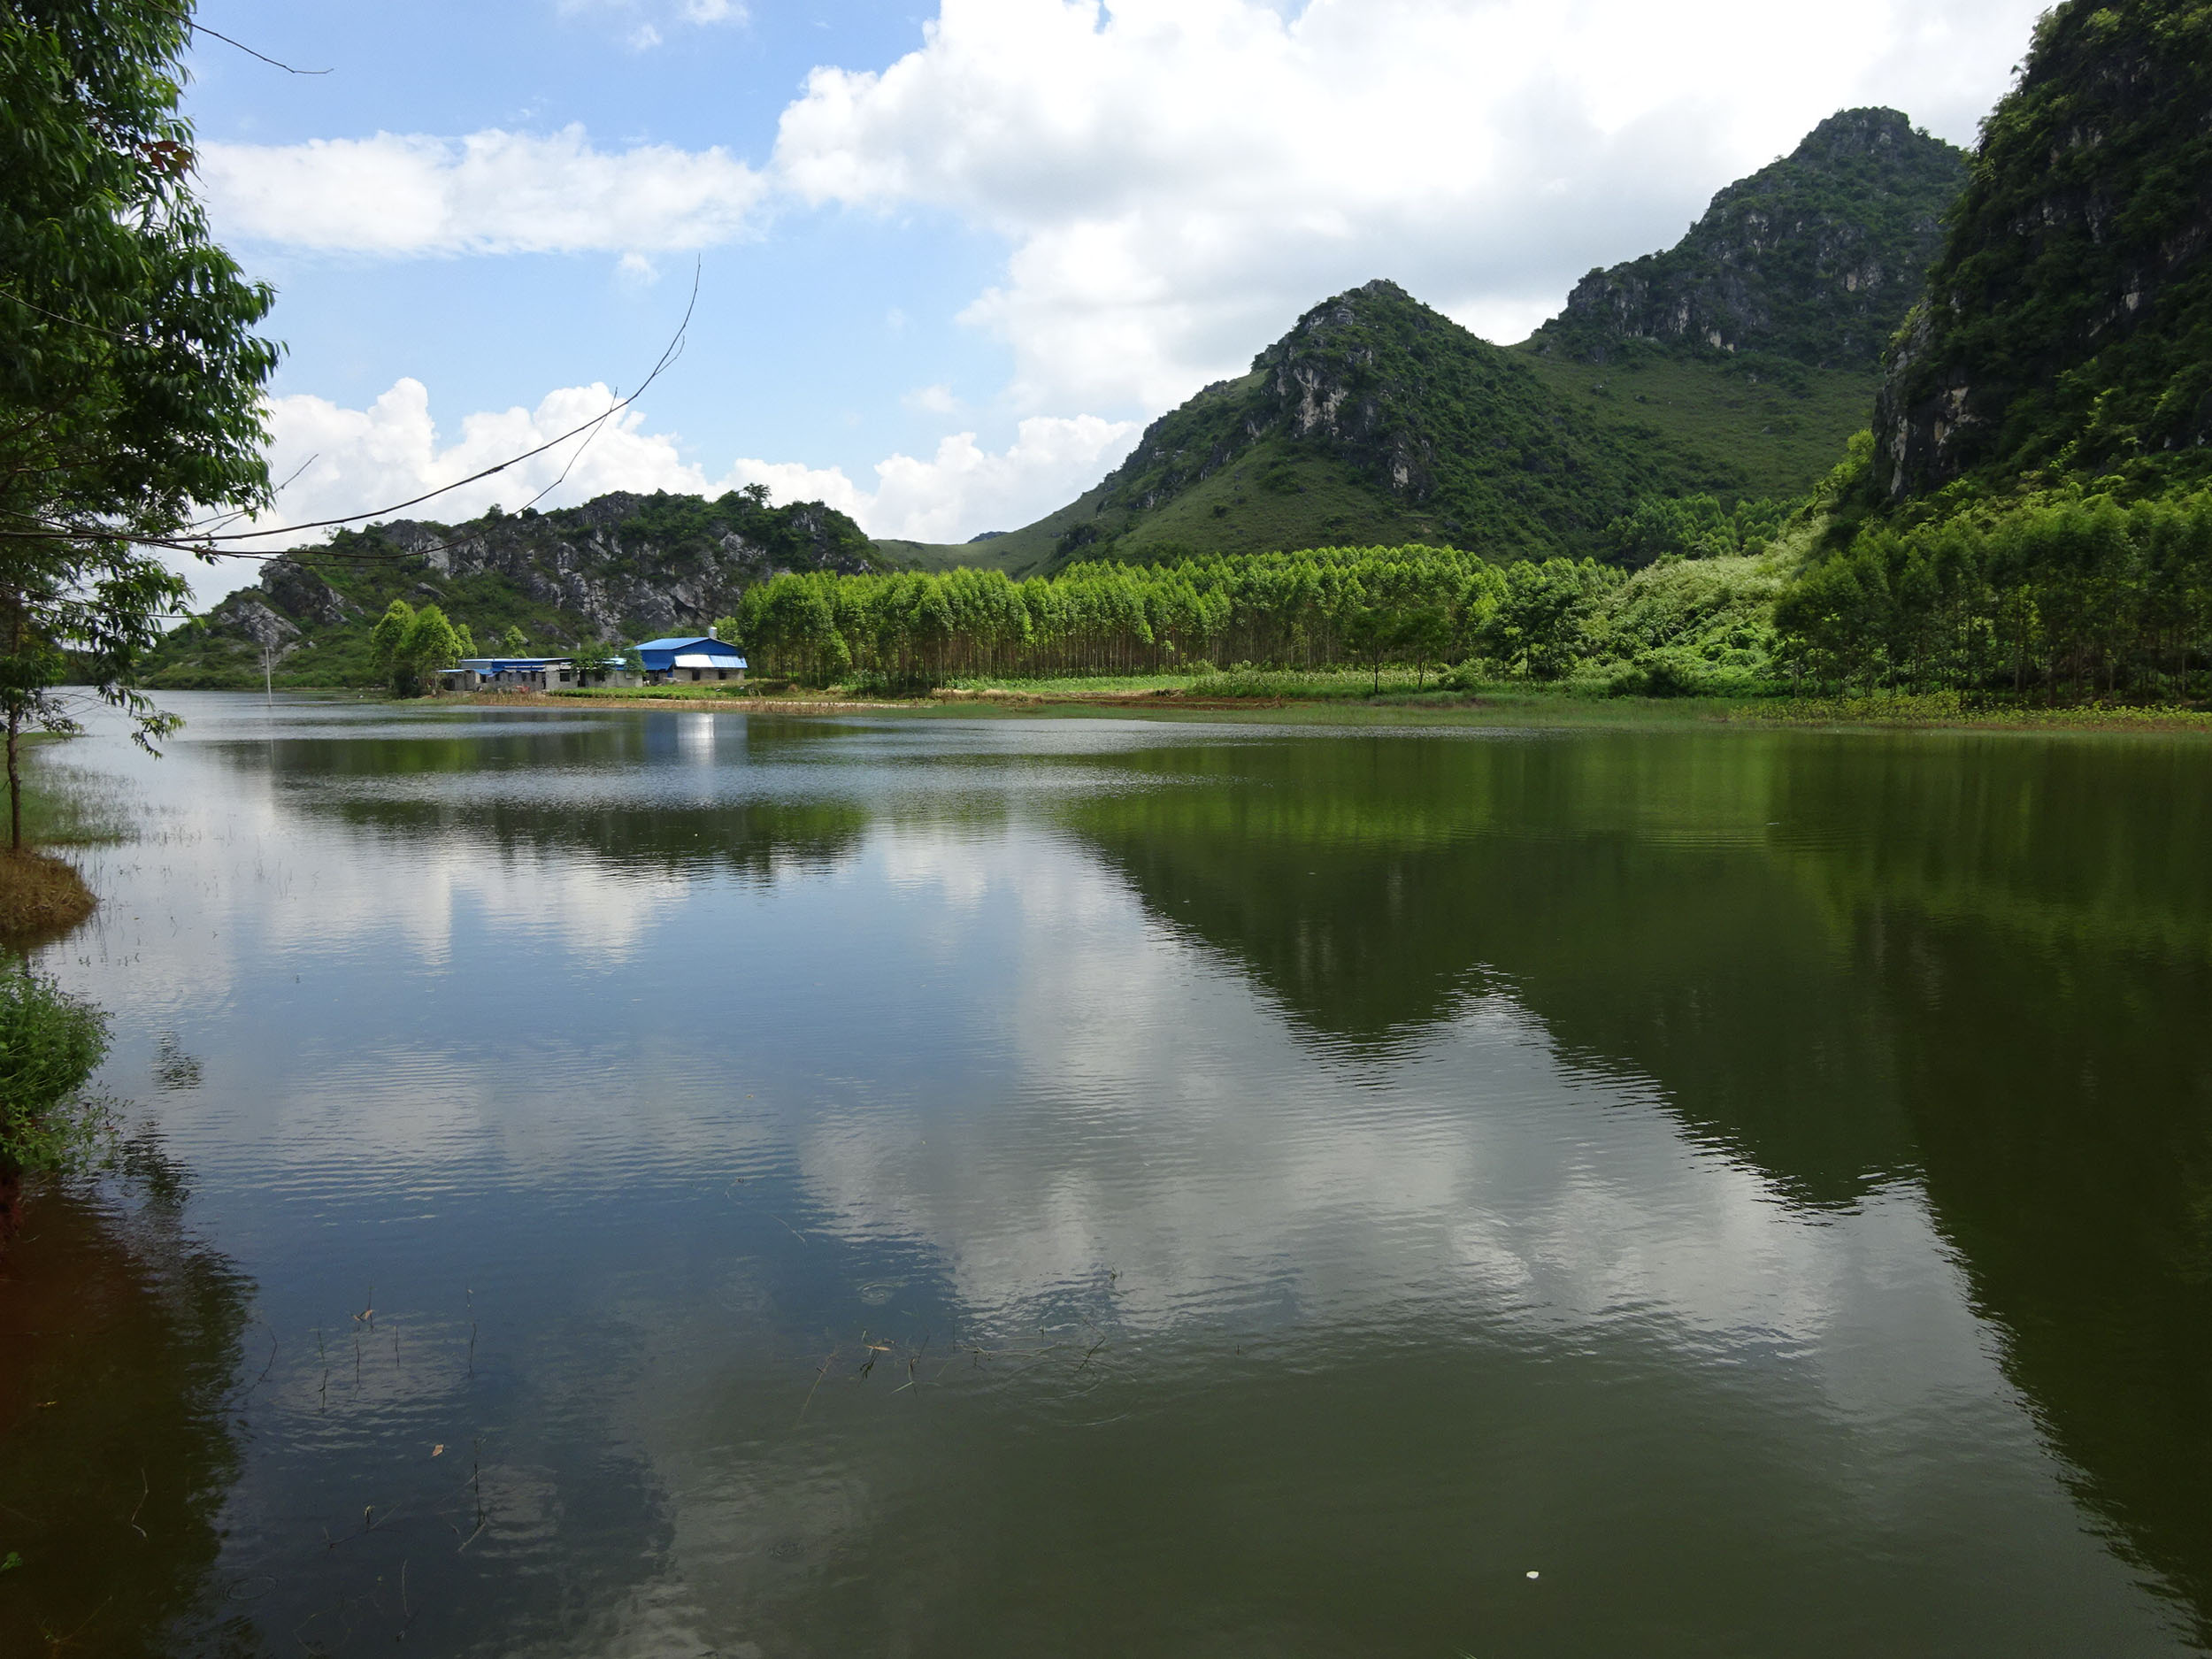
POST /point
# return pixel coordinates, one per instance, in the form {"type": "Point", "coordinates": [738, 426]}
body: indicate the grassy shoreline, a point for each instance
{"type": "Point", "coordinates": [1334, 704]}
{"type": "Point", "coordinates": [43, 897]}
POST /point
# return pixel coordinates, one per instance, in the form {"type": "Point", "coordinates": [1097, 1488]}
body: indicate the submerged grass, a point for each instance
{"type": "Point", "coordinates": [64, 807]}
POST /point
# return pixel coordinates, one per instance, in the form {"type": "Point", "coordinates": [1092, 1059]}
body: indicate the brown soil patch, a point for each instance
{"type": "Point", "coordinates": [40, 897]}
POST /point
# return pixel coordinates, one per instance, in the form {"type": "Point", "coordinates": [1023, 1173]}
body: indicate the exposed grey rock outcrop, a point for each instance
{"type": "Point", "coordinates": [1817, 257]}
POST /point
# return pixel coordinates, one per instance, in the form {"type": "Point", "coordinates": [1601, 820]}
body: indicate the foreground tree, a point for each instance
{"type": "Point", "coordinates": [408, 646]}
{"type": "Point", "coordinates": [130, 377]}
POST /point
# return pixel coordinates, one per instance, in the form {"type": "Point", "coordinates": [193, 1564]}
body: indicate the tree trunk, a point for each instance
{"type": "Point", "coordinates": [15, 784]}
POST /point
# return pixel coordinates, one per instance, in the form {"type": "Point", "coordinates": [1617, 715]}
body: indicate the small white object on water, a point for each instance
{"type": "Point", "coordinates": [1532, 1575]}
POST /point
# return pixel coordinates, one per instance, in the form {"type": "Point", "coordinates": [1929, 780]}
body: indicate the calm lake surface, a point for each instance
{"type": "Point", "coordinates": [1028, 1187]}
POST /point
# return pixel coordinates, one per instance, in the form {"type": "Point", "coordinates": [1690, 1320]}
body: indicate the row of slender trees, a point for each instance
{"type": "Point", "coordinates": [2072, 598]}
{"type": "Point", "coordinates": [1321, 608]}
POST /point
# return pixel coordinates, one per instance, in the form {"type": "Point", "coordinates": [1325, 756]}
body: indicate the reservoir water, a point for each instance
{"type": "Point", "coordinates": [668, 1184]}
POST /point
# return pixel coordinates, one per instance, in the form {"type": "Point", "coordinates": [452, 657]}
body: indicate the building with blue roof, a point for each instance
{"type": "Point", "coordinates": [671, 660]}
{"type": "Point", "coordinates": [663, 662]}
{"type": "Point", "coordinates": [512, 674]}
{"type": "Point", "coordinates": [533, 673]}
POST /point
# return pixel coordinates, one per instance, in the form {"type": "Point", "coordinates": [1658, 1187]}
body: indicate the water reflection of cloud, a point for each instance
{"type": "Point", "coordinates": [1152, 1133]}
{"type": "Point", "coordinates": [284, 884]}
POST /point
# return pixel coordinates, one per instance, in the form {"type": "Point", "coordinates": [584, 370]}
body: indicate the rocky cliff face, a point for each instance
{"type": "Point", "coordinates": [623, 567]}
{"type": "Point", "coordinates": [608, 564]}
{"type": "Point", "coordinates": [1817, 257]}
{"type": "Point", "coordinates": [2069, 320]}
{"type": "Point", "coordinates": [1331, 384]}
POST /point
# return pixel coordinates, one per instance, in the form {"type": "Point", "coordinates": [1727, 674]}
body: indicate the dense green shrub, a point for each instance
{"type": "Point", "coordinates": [50, 1042]}
{"type": "Point", "coordinates": [1693, 526]}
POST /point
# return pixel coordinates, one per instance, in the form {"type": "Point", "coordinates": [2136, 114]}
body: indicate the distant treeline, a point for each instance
{"type": "Point", "coordinates": [2074, 598]}
{"type": "Point", "coordinates": [1321, 608]}
{"type": "Point", "coordinates": [1694, 615]}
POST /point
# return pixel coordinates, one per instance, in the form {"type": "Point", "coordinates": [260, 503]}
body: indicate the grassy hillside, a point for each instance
{"type": "Point", "coordinates": [1375, 421]}
{"type": "Point", "coordinates": [1775, 426]}
{"type": "Point", "coordinates": [1750, 426]}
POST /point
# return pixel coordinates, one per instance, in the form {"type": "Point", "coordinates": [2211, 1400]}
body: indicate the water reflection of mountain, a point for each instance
{"type": "Point", "coordinates": [2062, 1098]}
{"type": "Point", "coordinates": [1371, 886]}
{"type": "Point", "coordinates": [622, 792]}
{"type": "Point", "coordinates": [1988, 959]}
{"type": "Point", "coordinates": [120, 1339]}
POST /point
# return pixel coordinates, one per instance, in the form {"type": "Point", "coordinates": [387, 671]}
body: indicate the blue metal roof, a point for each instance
{"type": "Point", "coordinates": [659, 656]}
{"type": "Point", "coordinates": [705, 642]}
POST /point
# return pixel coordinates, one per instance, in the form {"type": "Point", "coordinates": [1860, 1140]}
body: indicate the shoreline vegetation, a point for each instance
{"type": "Point", "coordinates": [1324, 699]}
{"type": "Point", "coordinates": [43, 896]}
{"type": "Point", "coordinates": [50, 1041]}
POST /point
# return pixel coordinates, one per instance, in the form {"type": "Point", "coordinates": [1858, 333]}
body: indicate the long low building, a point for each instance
{"type": "Point", "coordinates": [512, 674]}
{"type": "Point", "coordinates": [533, 673]}
{"type": "Point", "coordinates": [671, 660]}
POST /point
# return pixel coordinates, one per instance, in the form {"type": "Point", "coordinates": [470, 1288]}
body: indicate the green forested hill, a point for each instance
{"type": "Point", "coordinates": [1375, 420]}
{"type": "Point", "coordinates": [1737, 363]}
{"type": "Point", "coordinates": [1378, 421]}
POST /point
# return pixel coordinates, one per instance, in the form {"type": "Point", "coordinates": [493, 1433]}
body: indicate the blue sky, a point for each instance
{"type": "Point", "coordinates": [952, 257]}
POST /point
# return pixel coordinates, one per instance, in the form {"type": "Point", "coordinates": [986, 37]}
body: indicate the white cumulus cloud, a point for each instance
{"type": "Point", "coordinates": [963, 488]}
{"type": "Point", "coordinates": [932, 400]}
{"type": "Point", "coordinates": [1176, 178]}
{"type": "Point", "coordinates": [492, 192]}
{"type": "Point", "coordinates": [342, 462]}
